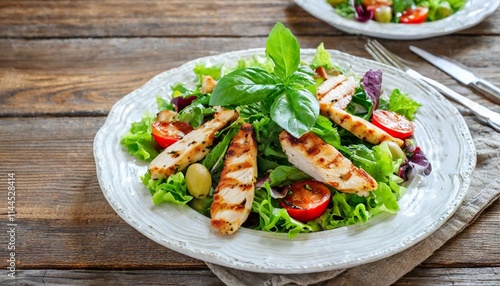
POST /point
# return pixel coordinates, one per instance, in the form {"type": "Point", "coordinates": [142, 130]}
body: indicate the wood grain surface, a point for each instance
{"type": "Point", "coordinates": [63, 64]}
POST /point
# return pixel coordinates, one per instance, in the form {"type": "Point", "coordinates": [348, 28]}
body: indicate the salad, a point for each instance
{"type": "Point", "coordinates": [397, 11]}
{"type": "Point", "coordinates": [278, 144]}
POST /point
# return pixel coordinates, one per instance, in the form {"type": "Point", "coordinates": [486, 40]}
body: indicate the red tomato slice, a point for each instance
{"type": "Point", "coordinates": [396, 125]}
{"type": "Point", "coordinates": [306, 200]}
{"type": "Point", "coordinates": [167, 133]}
{"type": "Point", "coordinates": [414, 15]}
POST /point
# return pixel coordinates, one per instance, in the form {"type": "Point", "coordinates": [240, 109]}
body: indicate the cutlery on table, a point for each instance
{"type": "Point", "coordinates": [460, 74]}
{"type": "Point", "coordinates": [381, 54]}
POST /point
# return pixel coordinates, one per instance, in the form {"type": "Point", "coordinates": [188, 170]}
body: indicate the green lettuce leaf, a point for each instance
{"type": "Point", "coordinates": [403, 104]}
{"type": "Point", "coordinates": [202, 69]}
{"type": "Point", "coordinates": [275, 219]}
{"type": "Point", "coordinates": [283, 175]}
{"type": "Point", "coordinates": [324, 129]}
{"type": "Point", "coordinates": [172, 189]}
{"type": "Point", "coordinates": [321, 58]}
{"type": "Point", "coordinates": [138, 141]}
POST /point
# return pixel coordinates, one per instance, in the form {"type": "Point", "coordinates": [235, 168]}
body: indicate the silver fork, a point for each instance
{"type": "Point", "coordinates": [381, 54]}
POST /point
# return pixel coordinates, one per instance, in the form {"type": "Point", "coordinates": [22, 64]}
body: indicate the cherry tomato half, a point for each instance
{"type": "Point", "coordinates": [395, 124]}
{"type": "Point", "coordinates": [167, 133]}
{"type": "Point", "coordinates": [306, 200]}
{"type": "Point", "coordinates": [414, 15]}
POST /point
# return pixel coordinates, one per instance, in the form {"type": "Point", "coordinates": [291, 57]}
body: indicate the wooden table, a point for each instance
{"type": "Point", "coordinates": [63, 64]}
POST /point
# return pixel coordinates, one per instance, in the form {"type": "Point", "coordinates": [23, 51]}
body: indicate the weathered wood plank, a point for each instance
{"type": "Point", "coordinates": [64, 221]}
{"type": "Point", "coordinates": [419, 276]}
{"type": "Point", "coordinates": [156, 18]}
{"type": "Point", "coordinates": [451, 276]}
{"type": "Point", "coordinates": [124, 277]}
{"type": "Point", "coordinates": [479, 240]}
{"type": "Point", "coordinates": [152, 18]}
{"type": "Point", "coordinates": [87, 76]}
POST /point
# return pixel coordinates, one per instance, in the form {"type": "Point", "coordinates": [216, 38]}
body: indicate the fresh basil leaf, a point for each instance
{"type": "Point", "coordinates": [284, 50]}
{"type": "Point", "coordinates": [306, 69]}
{"type": "Point", "coordinates": [245, 86]}
{"type": "Point", "coordinates": [296, 111]}
{"type": "Point", "coordinates": [300, 80]}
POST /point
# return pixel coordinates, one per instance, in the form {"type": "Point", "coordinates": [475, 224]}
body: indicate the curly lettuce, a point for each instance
{"type": "Point", "coordinates": [172, 189]}
{"type": "Point", "coordinates": [138, 141]}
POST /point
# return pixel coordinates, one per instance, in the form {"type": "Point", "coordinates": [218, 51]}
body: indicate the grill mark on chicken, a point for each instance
{"type": "Point", "coordinates": [358, 126]}
{"type": "Point", "coordinates": [328, 85]}
{"type": "Point", "coordinates": [191, 148]}
{"type": "Point", "coordinates": [328, 166]}
{"type": "Point", "coordinates": [341, 95]}
{"type": "Point", "coordinates": [234, 194]}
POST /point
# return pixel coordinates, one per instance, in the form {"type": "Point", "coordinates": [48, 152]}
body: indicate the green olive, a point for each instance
{"type": "Point", "coordinates": [198, 180]}
{"type": "Point", "coordinates": [336, 2]}
{"type": "Point", "coordinates": [443, 10]}
{"type": "Point", "coordinates": [383, 14]}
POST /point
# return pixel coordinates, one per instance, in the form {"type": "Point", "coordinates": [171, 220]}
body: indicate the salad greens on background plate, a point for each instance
{"type": "Point", "coordinates": [472, 13]}
{"type": "Point", "coordinates": [426, 204]}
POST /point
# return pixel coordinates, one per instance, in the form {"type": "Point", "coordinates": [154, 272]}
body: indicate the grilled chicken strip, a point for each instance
{"type": "Point", "coordinates": [326, 164]}
{"type": "Point", "coordinates": [191, 148]}
{"type": "Point", "coordinates": [233, 197]}
{"type": "Point", "coordinates": [358, 126]}
{"type": "Point", "coordinates": [328, 85]}
{"type": "Point", "coordinates": [208, 84]}
{"type": "Point", "coordinates": [341, 95]}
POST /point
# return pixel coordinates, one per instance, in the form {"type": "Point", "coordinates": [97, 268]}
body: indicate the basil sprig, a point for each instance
{"type": "Point", "coordinates": [290, 87]}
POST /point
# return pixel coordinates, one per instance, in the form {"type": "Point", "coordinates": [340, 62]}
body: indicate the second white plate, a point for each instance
{"type": "Point", "coordinates": [472, 14]}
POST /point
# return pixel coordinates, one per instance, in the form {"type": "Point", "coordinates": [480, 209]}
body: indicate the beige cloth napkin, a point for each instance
{"type": "Point", "coordinates": [484, 190]}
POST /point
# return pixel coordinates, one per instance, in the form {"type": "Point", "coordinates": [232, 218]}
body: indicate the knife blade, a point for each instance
{"type": "Point", "coordinates": [460, 74]}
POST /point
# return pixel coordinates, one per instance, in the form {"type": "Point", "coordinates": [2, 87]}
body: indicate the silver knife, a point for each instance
{"type": "Point", "coordinates": [462, 75]}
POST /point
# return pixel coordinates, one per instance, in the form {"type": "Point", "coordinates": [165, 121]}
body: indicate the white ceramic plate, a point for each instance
{"type": "Point", "coordinates": [472, 14]}
{"type": "Point", "coordinates": [428, 203]}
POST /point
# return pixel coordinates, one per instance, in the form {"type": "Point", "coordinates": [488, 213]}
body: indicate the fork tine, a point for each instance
{"type": "Point", "coordinates": [375, 53]}
{"type": "Point", "coordinates": [388, 55]}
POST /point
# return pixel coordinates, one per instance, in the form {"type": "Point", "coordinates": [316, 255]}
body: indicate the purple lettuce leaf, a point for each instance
{"type": "Point", "coordinates": [372, 83]}
{"type": "Point", "coordinates": [362, 14]}
{"type": "Point", "coordinates": [416, 163]}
